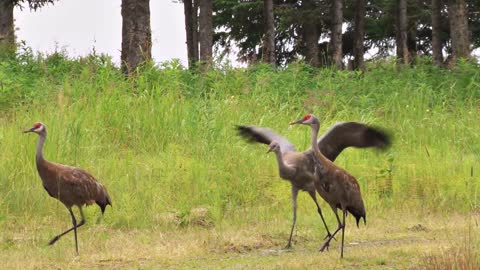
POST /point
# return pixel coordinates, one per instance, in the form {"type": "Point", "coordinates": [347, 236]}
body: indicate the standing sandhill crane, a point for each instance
{"type": "Point", "coordinates": [70, 185]}
{"type": "Point", "coordinates": [293, 166]}
{"type": "Point", "coordinates": [335, 185]}
{"type": "Point", "coordinates": [331, 144]}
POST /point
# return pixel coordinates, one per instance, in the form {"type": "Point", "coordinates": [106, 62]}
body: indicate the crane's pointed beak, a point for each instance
{"type": "Point", "coordinates": [296, 122]}
{"type": "Point", "coordinates": [28, 130]}
{"type": "Point", "coordinates": [270, 149]}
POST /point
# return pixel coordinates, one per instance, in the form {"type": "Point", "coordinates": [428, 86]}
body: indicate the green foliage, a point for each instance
{"type": "Point", "coordinates": [164, 141]}
{"type": "Point", "coordinates": [240, 24]}
{"type": "Point", "coordinates": [33, 4]}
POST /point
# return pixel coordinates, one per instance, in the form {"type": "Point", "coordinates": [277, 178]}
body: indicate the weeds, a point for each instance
{"type": "Point", "coordinates": [164, 145]}
{"type": "Point", "coordinates": [164, 142]}
{"type": "Point", "coordinates": [465, 257]}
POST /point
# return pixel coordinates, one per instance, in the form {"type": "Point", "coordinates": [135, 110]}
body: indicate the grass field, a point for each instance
{"type": "Point", "coordinates": [188, 193]}
{"type": "Point", "coordinates": [395, 242]}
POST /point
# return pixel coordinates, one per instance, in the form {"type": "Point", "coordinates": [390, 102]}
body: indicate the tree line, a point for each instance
{"type": "Point", "coordinates": [338, 33]}
{"type": "Point", "coordinates": [335, 33]}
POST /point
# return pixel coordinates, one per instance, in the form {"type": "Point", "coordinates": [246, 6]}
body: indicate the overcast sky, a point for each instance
{"type": "Point", "coordinates": [79, 25]}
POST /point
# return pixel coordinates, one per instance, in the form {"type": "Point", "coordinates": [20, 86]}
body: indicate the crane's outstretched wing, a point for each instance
{"type": "Point", "coordinates": [264, 135]}
{"type": "Point", "coordinates": [348, 134]}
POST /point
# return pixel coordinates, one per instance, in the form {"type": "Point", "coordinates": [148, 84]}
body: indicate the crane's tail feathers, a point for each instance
{"type": "Point", "coordinates": [104, 200]}
{"type": "Point", "coordinates": [103, 204]}
{"type": "Point", "coordinates": [358, 213]}
{"type": "Point", "coordinates": [358, 218]}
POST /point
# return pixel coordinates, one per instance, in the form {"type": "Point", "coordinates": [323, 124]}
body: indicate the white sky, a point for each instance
{"type": "Point", "coordinates": [79, 25]}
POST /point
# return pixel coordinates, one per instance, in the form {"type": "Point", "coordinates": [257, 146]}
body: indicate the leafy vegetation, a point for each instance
{"type": "Point", "coordinates": [164, 144]}
{"type": "Point", "coordinates": [245, 31]}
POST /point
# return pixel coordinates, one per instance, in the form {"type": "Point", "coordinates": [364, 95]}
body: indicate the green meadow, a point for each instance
{"type": "Point", "coordinates": [187, 192]}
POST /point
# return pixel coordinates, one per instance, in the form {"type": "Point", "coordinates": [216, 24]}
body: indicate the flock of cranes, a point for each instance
{"type": "Point", "coordinates": [312, 171]}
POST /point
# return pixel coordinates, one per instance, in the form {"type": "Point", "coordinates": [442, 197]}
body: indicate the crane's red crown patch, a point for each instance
{"type": "Point", "coordinates": [37, 125]}
{"type": "Point", "coordinates": [306, 117]}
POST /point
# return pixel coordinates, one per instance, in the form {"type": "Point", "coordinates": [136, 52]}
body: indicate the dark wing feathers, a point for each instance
{"type": "Point", "coordinates": [351, 134]}
{"type": "Point", "coordinates": [331, 144]}
{"type": "Point", "coordinates": [265, 136]}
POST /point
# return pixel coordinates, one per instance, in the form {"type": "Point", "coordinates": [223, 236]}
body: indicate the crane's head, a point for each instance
{"type": "Point", "coordinates": [308, 119]}
{"type": "Point", "coordinates": [37, 127]}
{"type": "Point", "coordinates": [273, 147]}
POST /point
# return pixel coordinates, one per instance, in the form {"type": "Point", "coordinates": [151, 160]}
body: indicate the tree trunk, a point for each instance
{"type": "Point", "coordinates": [7, 34]}
{"type": "Point", "coordinates": [191, 30]}
{"type": "Point", "coordinates": [436, 33]}
{"type": "Point", "coordinates": [269, 36]}
{"type": "Point", "coordinates": [336, 37]}
{"type": "Point", "coordinates": [196, 52]}
{"type": "Point", "coordinates": [311, 43]}
{"type": "Point", "coordinates": [412, 42]}
{"type": "Point", "coordinates": [206, 32]}
{"type": "Point", "coordinates": [457, 14]}
{"type": "Point", "coordinates": [401, 35]}
{"type": "Point", "coordinates": [311, 34]}
{"type": "Point", "coordinates": [359, 49]}
{"type": "Point", "coordinates": [136, 34]}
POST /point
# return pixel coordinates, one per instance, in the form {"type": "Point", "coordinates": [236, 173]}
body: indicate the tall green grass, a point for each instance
{"type": "Point", "coordinates": [164, 142]}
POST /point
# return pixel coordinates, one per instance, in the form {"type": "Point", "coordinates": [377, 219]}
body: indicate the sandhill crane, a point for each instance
{"type": "Point", "coordinates": [293, 166]}
{"type": "Point", "coordinates": [70, 185]}
{"type": "Point", "coordinates": [331, 144]}
{"type": "Point", "coordinates": [335, 185]}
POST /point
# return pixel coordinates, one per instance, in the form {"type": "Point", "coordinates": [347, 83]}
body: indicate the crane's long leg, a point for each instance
{"type": "Point", "coordinates": [319, 210]}
{"type": "Point", "coordinates": [340, 226]}
{"type": "Point", "coordinates": [294, 203]}
{"type": "Point", "coordinates": [74, 228]}
{"type": "Point", "coordinates": [74, 221]}
{"type": "Point", "coordinates": [343, 231]}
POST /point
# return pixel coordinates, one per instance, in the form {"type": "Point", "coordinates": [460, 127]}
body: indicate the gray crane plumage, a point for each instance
{"type": "Point", "coordinates": [293, 166]}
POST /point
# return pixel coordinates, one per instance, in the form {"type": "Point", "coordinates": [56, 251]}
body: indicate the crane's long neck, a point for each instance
{"type": "Point", "coordinates": [316, 150]}
{"type": "Point", "coordinates": [285, 171]}
{"type": "Point", "coordinates": [39, 152]}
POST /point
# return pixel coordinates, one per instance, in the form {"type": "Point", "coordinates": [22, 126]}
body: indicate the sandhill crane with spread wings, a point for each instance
{"type": "Point", "coordinates": [334, 184]}
{"type": "Point", "coordinates": [299, 167]}
{"type": "Point", "coordinates": [70, 185]}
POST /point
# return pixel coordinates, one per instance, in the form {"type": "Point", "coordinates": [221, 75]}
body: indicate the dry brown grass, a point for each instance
{"type": "Point", "coordinates": [394, 242]}
{"type": "Point", "coordinates": [464, 256]}
{"type": "Point", "coordinates": [452, 259]}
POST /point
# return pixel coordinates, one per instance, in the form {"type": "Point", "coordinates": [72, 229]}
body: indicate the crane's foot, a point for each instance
{"type": "Point", "coordinates": [288, 245]}
{"type": "Point", "coordinates": [55, 239]}
{"type": "Point", "coordinates": [329, 235]}
{"type": "Point", "coordinates": [325, 246]}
